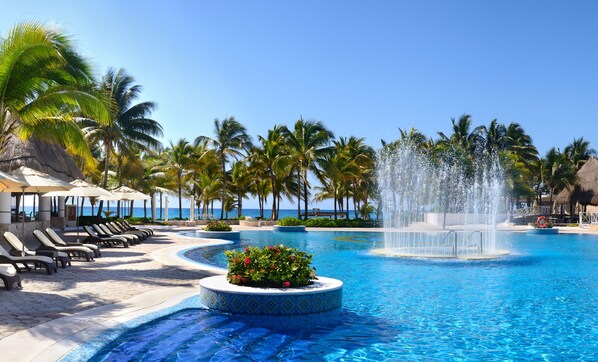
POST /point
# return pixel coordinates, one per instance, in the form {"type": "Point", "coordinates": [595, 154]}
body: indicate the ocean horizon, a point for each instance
{"type": "Point", "coordinates": [173, 212]}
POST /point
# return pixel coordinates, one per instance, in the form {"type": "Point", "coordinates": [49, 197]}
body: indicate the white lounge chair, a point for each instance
{"type": "Point", "coordinates": [57, 240]}
{"type": "Point", "coordinates": [36, 260]}
{"type": "Point", "coordinates": [79, 251]}
{"type": "Point", "coordinates": [9, 275]}
{"type": "Point", "coordinates": [19, 247]}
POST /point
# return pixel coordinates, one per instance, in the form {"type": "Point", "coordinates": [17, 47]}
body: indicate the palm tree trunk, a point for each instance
{"type": "Point", "coordinates": [180, 184]}
{"type": "Point", "coordinates": [222, 196]}
{"type": "Point", "coordinates": [335, 215]}
{"type": "Point", "coordinates": [298, 193]}
{"type": "Point", "coordinates": [305, 192]}
{"type": "Point", "coordinates": [347, 198]}
{"type": "Point", "coordinates": [105, 179]}
{"type": "Point", "coordinates": [273, 182]}
{"type": "Point", "coordinates": [240, 208]}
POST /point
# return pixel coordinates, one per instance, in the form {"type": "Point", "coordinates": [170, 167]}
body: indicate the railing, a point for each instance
{"type": "Point", "coordinates": [527, 211]}
{"type": "Point", "coordinates": [588, 218]}
{"type": "Point", "coordinates": [463, 246]}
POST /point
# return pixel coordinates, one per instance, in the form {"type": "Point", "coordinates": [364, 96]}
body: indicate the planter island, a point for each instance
{"type": "Point", "coordinates": [323, 295]}
{"type": "Point", "coordinates": [543, 231]}
{"type": "Point", "coordinates": [226, 235]}
{"type": "Point", "coordinates": [296, 228]}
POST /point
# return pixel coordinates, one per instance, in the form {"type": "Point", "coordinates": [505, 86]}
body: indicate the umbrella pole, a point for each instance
{"type": "Point", "coordinates": [77, 220]}
{"type": "Point", "coordinates": [23, 223]}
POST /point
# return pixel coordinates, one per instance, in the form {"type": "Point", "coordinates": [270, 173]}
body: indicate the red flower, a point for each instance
{"type": "Point", "coordinates": [235, 260]}
{"type": "Point", "coordinates": [247, 261]}
{"type": "Point", "coordinates": [277, 250]}
{"type": "Point", "coordinates": [244, 280]}
{"type": "Point", "coordinates": [272, 267]}
{"type": "Point", "coordinates": [247, 249]}
{"type": "Point", "coordinates": [286, 284]}
{"type": "Point", "coordinates": [252, 271]}
{"type": "Point", "coordinates": [292, 257]}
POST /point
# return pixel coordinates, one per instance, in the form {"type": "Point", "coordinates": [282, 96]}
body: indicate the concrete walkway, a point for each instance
{"type": "Point", "coordinates": [115, 277]}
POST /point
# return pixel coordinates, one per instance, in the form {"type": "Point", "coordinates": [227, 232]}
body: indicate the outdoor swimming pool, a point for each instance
{"type": "Point", "coordinates": [538, 303]}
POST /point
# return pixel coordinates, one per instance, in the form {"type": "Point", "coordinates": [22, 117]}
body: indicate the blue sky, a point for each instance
{"type": "Point", "coordinates": [363, 68]}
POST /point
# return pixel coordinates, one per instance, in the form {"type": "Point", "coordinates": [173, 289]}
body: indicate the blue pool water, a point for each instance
{"type": "Point", "coordinates": [538, 303]}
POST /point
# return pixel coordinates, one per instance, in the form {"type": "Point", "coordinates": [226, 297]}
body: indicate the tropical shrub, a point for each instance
{"type": "Point", "coordinates": [290, 221]}
{"type": "Point", "coordinates": [271, 267]}
{"type": "Point", "coordinates": [216, 225]}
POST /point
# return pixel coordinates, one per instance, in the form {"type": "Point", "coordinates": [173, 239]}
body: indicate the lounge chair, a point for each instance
{"type": "Point", "coordinates": [116, 229]}
{"type": "Point", "coordinates": [94, 237]}
{"type": "Point", "coordinates": [9, 274]}
{"type": "Point", "coordinates": [128, 226]}
{"type": "Point", "coordinates": [57, 240]}
{"type": "Point", "coordinates": [72, 251]}
{"type": "Point", "coordinates": [36, 260]}
{"type": "Point", "coordinates": [102, 230]}
{"type": "Point", "coordinates": [19, 248]}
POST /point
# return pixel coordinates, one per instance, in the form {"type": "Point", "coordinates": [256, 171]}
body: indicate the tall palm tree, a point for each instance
{"type": "Point", "coordinates": [44, 85]}
{"type": "Point", "coordinates": [579, 151]}
{"type": "Point", "coordinates": [129, 124]}
{"type": "Point", "coordinates": [241, 181]}
{"type": "Point", "coordinates": [307, 142]}
{"type": "Point", "coordinates": [230, 139]}
{"type": "Point", "coordinates": [274, 158]}
{"type": "Point", "coordinates": [178, 160]}
{"type": "Point", "coordinates": [558, 172]}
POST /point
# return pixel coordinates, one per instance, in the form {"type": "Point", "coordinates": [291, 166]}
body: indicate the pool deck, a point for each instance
{"type": "Point", "coordinates": [54, 313]}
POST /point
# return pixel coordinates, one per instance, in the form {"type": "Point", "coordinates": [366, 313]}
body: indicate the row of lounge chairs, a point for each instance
{"type": "Point", "coordinates": [54, 250]}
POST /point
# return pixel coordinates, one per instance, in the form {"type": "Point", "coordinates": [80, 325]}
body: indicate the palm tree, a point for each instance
{"type": "Point", "coordinates": [241, 180]}
{"type": "Point", "coordinates": [558, 172]}
{"type": "Point", "coordinates": [579, 151]}
{"type": "Point", "coordinates": [129, 123]}
{"type": "Point", "coordinates": [178, 160]}
{"type": "Point", "coordinates": [44, 85]}
{"type": "Point", "coordinates": [307, 142]}
{"type": "Point", "coordinates": [230, 139]}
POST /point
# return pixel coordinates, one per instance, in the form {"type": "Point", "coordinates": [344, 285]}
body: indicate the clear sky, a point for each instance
{"type": "Point", "coordinates": [364, 68]}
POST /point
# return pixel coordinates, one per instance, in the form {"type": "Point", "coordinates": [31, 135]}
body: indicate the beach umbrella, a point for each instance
{"type": "Point", "coordinates": [126, 193]}
{"type": "Point", "coordinates": [81, 188]}
{"type": "Point", "coordinates": [36, 182]}
{"type": "Point", "coordinates": [8, 183]}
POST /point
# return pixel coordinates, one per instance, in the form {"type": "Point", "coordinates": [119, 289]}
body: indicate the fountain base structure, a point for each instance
{"type": "Point", "coordinates": [440, 205]}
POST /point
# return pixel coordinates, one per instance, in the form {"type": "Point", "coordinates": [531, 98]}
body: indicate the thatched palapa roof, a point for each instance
{"type": "Point", "coordinates": [41, 156]}
{"type": "Point", "coordinates": [585, 190]}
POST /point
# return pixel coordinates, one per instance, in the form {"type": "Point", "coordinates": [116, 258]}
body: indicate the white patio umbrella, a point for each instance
{"type": "Point", "coordinates": [81, 188]}
{"type": "Point", "coordinates": [36, 182]}
{"type": "Point", "coordinates": [8, 183]}
{"type": "Point", "coordinates": [126, 193]}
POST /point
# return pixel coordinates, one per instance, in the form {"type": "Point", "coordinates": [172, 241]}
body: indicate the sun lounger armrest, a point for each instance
{"type": "Point", "coordinates": [15, 252]}
{"type": "Point", "coordinates": [7, 260]}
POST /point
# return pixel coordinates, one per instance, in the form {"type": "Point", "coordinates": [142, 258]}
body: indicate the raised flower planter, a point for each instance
{"type": "Point", "coordinates": [544, 231]}
{"type": "Point", "coordinates": [296, 228]}
{"type": "Point", "coordinates": [543, 226]}
{"type": "Point", "coordinates": [226, 235]}
{"type": "Point", "coordinates": [323, 295]}
{"type": "Point", "coordinates": [274, 280]}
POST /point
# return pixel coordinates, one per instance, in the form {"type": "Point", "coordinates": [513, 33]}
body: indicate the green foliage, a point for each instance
{"type": "Point", "coordinates": [345, 223]}
{"type": "Point", "coordinates": [216, 225]}
{"type": "Point", "coordinates": [138, 220]}
{"type": "Point", "coordinates": [290, 221]}
{"type": "Point", "coordinates": [271, 267]}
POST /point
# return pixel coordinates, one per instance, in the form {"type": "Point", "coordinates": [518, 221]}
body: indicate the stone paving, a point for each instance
{"type": "Point", "coordinates": [117, 276]}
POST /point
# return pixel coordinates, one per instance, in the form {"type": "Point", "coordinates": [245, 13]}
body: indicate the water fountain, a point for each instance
{"type": "Point", "coordinates": [441, 208]}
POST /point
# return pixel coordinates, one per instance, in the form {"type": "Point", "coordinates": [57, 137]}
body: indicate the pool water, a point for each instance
{"type": "Point", "coordinates": [538, 303]}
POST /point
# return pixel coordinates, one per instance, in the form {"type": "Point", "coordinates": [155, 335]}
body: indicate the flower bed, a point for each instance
{"type": "Point", "coordinates": [217, 226]}
{"type": "Point", "coordinates": [271, 267]}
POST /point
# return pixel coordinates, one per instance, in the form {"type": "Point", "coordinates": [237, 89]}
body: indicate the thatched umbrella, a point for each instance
{"type": "Point", "coordinates": [38, 155]}
{"type": "Point", "coordinates": [585, 190]}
